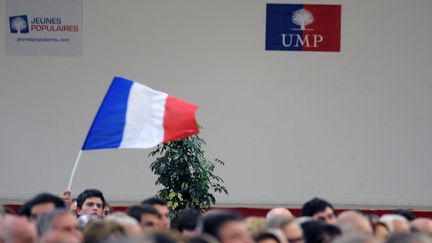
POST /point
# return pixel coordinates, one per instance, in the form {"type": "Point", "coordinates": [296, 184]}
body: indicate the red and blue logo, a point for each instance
{"type": "Point", "coordinates": [303, 27]}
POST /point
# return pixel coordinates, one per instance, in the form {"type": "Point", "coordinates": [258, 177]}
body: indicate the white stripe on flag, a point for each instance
{"type": "Point", "coordinates": [144, 118]}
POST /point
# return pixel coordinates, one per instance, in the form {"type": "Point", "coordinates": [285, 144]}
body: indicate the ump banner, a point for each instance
{"type": "Point", "coordinates": [303, 27]}
{"type": "Point", "coordinates": [44, 27]}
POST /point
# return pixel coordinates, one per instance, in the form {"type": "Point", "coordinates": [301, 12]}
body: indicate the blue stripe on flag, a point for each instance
{"type": "Point", "coordinates": [108, 125]}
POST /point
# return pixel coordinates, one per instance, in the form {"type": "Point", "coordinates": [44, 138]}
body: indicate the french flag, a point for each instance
{"type": "Point", "coordinates": [135, 116]}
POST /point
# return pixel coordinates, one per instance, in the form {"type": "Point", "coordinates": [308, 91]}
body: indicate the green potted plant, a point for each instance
{"type": "Point", "coordinates": [186, 175]}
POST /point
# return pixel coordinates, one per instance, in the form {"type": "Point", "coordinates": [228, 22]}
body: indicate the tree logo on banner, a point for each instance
{"type": "Point", "coordinates": [19, 24]}
{"type": "Point", "coordinates": [302, 17]}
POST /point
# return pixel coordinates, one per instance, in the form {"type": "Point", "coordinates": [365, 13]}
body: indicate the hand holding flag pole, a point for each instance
{"type": "Point", "coordinates": [135, 116]}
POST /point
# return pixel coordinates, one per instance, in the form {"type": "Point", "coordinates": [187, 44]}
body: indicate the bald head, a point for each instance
{"type": "Point", "coordinates": [423, 225]}
{"type": "Point", "coordinates": [278, 212]}
{"type": "Point", "coordinates": [17, 230]}
{"type": "Point", "coordinates": [354, 222]}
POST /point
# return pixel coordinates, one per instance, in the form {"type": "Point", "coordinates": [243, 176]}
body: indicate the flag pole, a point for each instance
{"type": "Point", "coordinates": [74, 169]}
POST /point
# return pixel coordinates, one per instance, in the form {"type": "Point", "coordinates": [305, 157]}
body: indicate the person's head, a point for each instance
{"type": "Point", "coordinates": [107, 210]}
{"type": "Point", "coordinates": [159, 237]}
{"type": "Point", "coordinates": [354, 222]}
{"type": "Point", "coordinates": [373, 218]}
{"type": "Point", "coordinates": [289, 226]}
{"type": "Point", "coordinates": [101, 231]}
{"type": "Point", "coordinates": [40, 204]}
{"type": "Point", "coordinates": [90, 201]}
{"type": "Point", "coordinates": [58, 237]}
{"type": "Point", "coordinates": [407, 213]}
{"type": "Point", "coordinates": [396, 223]}
{"type": "Point", "coordinates": [187, 221]}
{"type": "Point", "coordinates": [416, 237]}
{"type": "Point", "coordinates": [14, 229]}
{"type": "Point", "coordinates": [356, 238]}
{"type": "Point", "coordinates": [271, 236]}
{"type": "Point", "coordinates": [161, 206]}
{"type": "Point", "coordinates": [422, 225]}
{"type": "Point", "coordinates": [226, 226]}
{"type": "Point", "coordinates": [130, 224]}
{"type": "Point", "coordinates": [381, 231]}
{"type": "Point", "coordinates": [147, 216]}
{"type": "Point", "coordinates": [255, 225]}
{"type": "Point", "coordinates": [73, 205]}
{"type": "Point", "coordinates": [278, 212]}
{"type": "Point", "coordinates": [319, 232]}
{"type": "Point", "coordinates": [61, 220]}
{"type": "Point", "coordinates": [24, 210]}
{"type": "Point", "coordinates": [319, 209]}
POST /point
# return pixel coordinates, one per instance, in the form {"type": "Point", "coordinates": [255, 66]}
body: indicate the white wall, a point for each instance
{"type": "Point", "coordinates": [353, 127]}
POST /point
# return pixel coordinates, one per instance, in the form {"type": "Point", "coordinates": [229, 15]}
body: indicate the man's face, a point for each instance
{"type": "Point", "coordinates": [67, 223]}
{"type": "Point", "coordinates": [165, 221]}
{"type": "Point", "coordinates": [39, 209]}
{"type": "Point", "coordinates": [327, 216]}
{"type": "Point", "coordinates": [92, 206]}
{"type": "Point", "coordinates": [106, 211]}
{"type": "Point", "coordinates": [293, 233]}
{"type": "Point", "coordinates": [234, 232]}
{"type": "Point", "coordinates": [149, 223]}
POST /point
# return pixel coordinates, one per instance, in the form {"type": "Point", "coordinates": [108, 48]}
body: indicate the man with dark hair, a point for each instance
{"type": "Point", "coordinates": [226, 226]}
{"type": "Point", "coordinates": [90, 201]}
{"type": "Point", "coordinates": [161, 206]}
{"type": "Point", "coordinates": [40, 204]}
{"type": "Point", "coordinates": [147, 216]}
{"type": "Point", "coordinates": [319, 209]}
{"type": "Point", "coordinates": [318, 231]}
{"type": "Point", "coordinates": [187, 222]}
{"type": "Point", "coordinates": [408, 214]}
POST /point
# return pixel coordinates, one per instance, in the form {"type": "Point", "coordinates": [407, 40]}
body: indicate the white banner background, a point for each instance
{"type": "Point", "coordinates": [54, 28]}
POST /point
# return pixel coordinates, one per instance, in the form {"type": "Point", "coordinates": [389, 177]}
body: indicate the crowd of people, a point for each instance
{"type": "Point", "coordinates": [89, 218]}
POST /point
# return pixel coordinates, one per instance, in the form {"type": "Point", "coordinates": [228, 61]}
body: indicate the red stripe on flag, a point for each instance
{"type": "Point", "coordinates": [179, 119]}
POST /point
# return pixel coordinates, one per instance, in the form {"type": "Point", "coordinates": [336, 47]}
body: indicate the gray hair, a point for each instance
{"type": "Point", "coordinates": [279, 222]}
{"type": "Point", "coordinates": [356, 238]}
{"type": "Point", "coordinates": [44, 223]}
{"type": "Point", "coordinates": [303, 219]}
{"type": "Point", "coordinates": [121, 219]}
{"type": "Point", "coordinates": [389, 219]}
